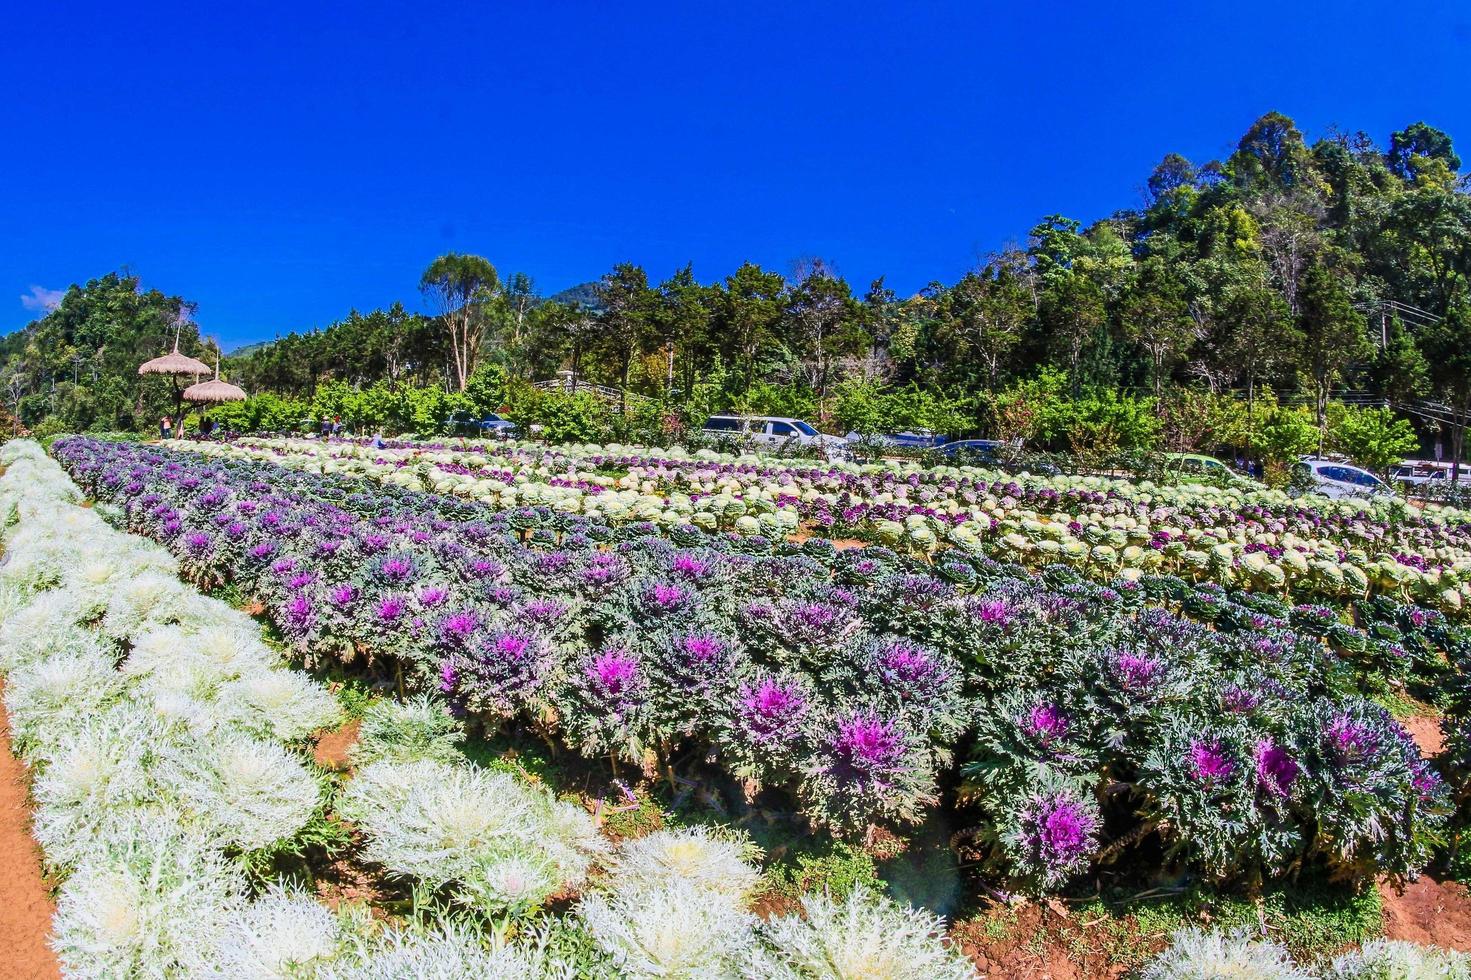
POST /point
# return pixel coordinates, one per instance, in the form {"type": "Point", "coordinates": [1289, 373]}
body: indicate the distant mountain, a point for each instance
{"type": "Point", "coordinates": [246, 350]}
{"type": "Point", "coordinates": [585, 293]}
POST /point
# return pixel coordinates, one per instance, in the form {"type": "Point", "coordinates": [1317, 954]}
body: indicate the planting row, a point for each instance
{"type": "Point", "coordinates": [166, 744]}
{"type": "Point", "coordinates": [1087, 722]}
{"type": "Point", "coordinates": [1310, 548]}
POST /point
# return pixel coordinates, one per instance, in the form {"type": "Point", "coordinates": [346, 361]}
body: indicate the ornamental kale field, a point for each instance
{"type": "Point", "coordinates": [1068, 722]}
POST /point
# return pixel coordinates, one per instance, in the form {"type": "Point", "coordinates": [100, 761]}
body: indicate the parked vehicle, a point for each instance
{"type": "Point", "coordinates": [976, 452]}
{"type": "Point", "coordinates": [492, 424]}
{"type": "Point", "coordinates": [1194, 466]}
{"type": "Point", "coordinates": [992, 452]}
{"type": "Point", "coordinates": [1332, 478]}
{"type": "Point", "coordinates": [899, 440]}
{"type": "Point", "coordinates": [1420, 472]}
{"type": "Point", "coordinates": [773, 432]}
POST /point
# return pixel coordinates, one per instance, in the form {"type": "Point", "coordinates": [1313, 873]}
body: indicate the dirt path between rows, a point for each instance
{"type": "Point", "coordinates": [25, 903]}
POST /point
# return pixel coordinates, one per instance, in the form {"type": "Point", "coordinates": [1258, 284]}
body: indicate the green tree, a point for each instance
{"type": "Point", "coordinates": [625, 320]}
{"type": "Point", "coordinates": [1374, 438]}
{"type": "Point", "coordinates": [1333, 335]}
{"type": "Point", "coordinates": [462, 286]}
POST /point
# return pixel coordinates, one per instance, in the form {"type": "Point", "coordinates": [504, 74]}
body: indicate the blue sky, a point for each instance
{"type": "Point", "coordinates": [282, 163]}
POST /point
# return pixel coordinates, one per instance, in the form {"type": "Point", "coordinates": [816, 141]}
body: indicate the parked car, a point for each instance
{"type": "Point", "coordinates": [991, 452]}
{"type": "Point", "coordinates": [975, 452]}
{"type": "Point", "coordinates": [1332, 478]}
{"type": "Point", "coordinates": [492, 424]}
{"type": "Point", "coordinates": [773, 432]}
{"type": "Point", "coordinates": [899, 440]}
{"type": "Point", "coordinates": [1195, 465]}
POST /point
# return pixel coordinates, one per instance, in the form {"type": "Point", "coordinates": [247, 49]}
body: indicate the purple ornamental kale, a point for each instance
{"type": "Point", "coordinates": [1046, 723]}
{"type": "Point", "coordinates": [867, 751]}
{"type": "Point", "coordinates": [342, 596]}
{"type": "Point", "coordinates": [1210, 765]}
{"type": "Point", "coordinates": [1350, 741]}
{"type": "Point", "coordinates": [771, 713]}
{"type": "Point", "coordinates": [1276, 770]}
{"type": "Point", "coordinates": [1058, 834]}
{"type": "Point", "coordinates": [1136, 672]}
{"type": "Point", "coordinates": [456, 629]}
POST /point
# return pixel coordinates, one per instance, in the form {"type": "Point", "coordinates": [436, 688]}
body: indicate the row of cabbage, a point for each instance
{"type": "Point", "coordinates": [1194, 954]}
{"type": "Point", "coordinates": [166, 744]}
{"type": "Point", "coordinates": [1311, 548]}
{"type": "Point", "coordinates": [1086, 721]}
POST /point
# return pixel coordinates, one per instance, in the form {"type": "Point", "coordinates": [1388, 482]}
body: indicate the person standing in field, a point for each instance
{"type": "Point", "coordinates": [165, 427]}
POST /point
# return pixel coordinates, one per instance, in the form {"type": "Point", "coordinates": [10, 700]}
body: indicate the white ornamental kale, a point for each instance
{"type": "Point", "coordinates": [1389, 959]}
{"type": "Point", "coordinates": [91, 782]}
{"type": "Point", "coordinates": [679, 930]}
{"type": "Point", "coordinates": [865, 935]}
{"type": "Point", "coordinates": [450, 952]}
{"type": "Point", "coordinates": [1194, 954]}
{"type": "Point", "coordinates": [420, 728]}
{"type": "Point", "coordinates": [52, 696]}
{"type": "Point", "coordinates": [504, 845]}
{"type": "Point", "coordinates": [694, 855]}
{"type": "Point", "coordinates": [142, 601]}
{"type": "Point", "coordinates": [279, 936]}
{"type": "Point", "coordinates": [283, 705]}
{"type": "Point", "coordinates": [243, 792]}
{"type": "Point", "coordinates": [149, 904]}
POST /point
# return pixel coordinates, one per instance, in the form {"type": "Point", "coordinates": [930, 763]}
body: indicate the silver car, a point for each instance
{"type": "Point", "coordinates": [1334, 479]}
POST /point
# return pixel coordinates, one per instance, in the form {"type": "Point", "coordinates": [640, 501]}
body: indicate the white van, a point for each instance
{"type": "Point", "coordinates": [772, 432]}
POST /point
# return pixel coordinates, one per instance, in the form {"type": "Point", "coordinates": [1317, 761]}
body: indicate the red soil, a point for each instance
{"type": "Point", "coordinates": [1035, 942]}
{"type": "Point", "coordinates": [25, 903]}
{"type": "Point", "coordinates": [1426, 733]}
{"type": "Point", "coordinates": [1430, 912]}
{"type": "Point", "coordinates": [332, 747]}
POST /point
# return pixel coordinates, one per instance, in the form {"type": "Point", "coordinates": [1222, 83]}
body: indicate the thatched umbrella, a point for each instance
{"type": "Point", "coordinates": [214, 391]}
{"type": "Point", "coordinates": [175, 365]}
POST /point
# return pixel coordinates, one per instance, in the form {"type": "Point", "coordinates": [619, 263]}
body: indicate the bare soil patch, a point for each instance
{"type": "Point", "coordinates": [332, 747]}
{"type": "Point", "coordinates": [1425, 730]}
{"type": "Point", "coordinates": [25, 903]}
{"type": "Point", "coordinates": [1431, 912]}
{"type": "Point", "coordinates": [1033, 942]}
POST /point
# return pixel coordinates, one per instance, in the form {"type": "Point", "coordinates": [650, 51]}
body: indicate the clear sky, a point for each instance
{"type": "Point", "coordinates": [281, 163]}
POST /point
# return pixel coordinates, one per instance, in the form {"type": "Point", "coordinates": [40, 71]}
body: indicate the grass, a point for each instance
{"type": "Point", "coordinates": [1312, 919]}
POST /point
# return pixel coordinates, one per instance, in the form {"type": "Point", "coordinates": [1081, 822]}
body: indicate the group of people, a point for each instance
{"type": "Point", "coordinates": [167, 428]}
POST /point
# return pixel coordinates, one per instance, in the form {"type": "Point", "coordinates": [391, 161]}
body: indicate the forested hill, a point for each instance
{"type": "Point", "coordinates": [1295, 268]}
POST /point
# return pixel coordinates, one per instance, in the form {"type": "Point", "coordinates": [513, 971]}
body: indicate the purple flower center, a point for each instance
{"type": "Point", "coordinates": [703, 648]}
{"type": "Point", "coordinates": [666, 596]}
{"type": "Point", "coordinates": [1137, 671]}
{"type": "Point", "coordinates": [771, 700]}
{"type": "Point", "coordinates": [299, 611]}
{"type": "Point", "coordinates": [909, 665]}
{"type": "Point", "coordinates": [512, 646]}
{"type": "Point", "coordinates": [992, 612]}
{"type": "Point", "coordinates": [545, 610]}
{"type": "Point", "coordinates": [866, 744]}
{"type": "Point", "coordinates": [1351, 741]}
{"type": "Point", "coordinates": [1058, 830]}
{"type": "Point", "coordinates": [1209, 763]}
{"type": "Point", "coordinates": [691, 567]}
{"type": "Point", "coordinates": [432, 595]}
{"type": "Point", "coordinates": [397, 569]}
{"type": "Point", "coordinates": [613, 671]}
{"type": "Point", "coordinates": [1276, 771]}
{"type": "Point", "coordinates": [391, 608]}
{"type": "Point", "coordinates": [457, 627]}
{"type": "Point", "coordinates": [1046, 722]}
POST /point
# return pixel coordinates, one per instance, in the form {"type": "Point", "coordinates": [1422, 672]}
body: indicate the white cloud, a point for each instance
{"type": "Point", "coordinates": [42, 300]}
